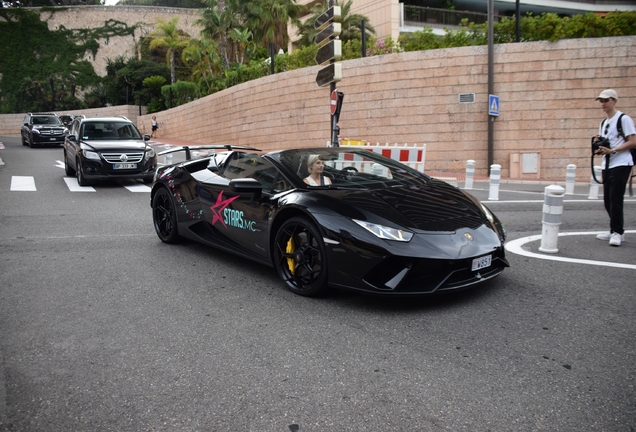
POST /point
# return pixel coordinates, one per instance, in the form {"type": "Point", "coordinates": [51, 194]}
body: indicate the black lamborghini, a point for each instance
{"type": "Point", "coordinates": [370, 224]}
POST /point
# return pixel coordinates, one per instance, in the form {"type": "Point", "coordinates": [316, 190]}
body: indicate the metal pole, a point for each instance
{"type": "Point", "coordinates": [518, 15]}
{"type": "Point", "coordinates": [271, 58]}
{"type": "Point", "coordinates": [491, 119]}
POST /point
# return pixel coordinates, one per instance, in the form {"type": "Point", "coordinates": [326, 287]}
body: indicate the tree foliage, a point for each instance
{"type": "Point", "coordinates": [46, 69]}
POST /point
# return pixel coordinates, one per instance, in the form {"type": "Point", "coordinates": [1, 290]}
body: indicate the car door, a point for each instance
{"type": "Point", "coordinates": [241, 218]}
{"type": "Point", "coordinates": [72, 143]}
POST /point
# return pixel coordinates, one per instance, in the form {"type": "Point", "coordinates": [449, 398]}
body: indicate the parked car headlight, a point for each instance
{"type": "Point", "coordinates": [91, 155]}
{"type": "Point", "coordinates": [35, 131]}
{"type": "Point", "coordinates": [385, 232]}
{"type": "Point", "coordinates": [150, 153]}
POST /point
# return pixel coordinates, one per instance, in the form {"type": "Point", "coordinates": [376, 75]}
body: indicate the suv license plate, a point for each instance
{"type": "Point", "coordinates": [124, 166]}
{"type": "Point", "coordinates": [482, 262]}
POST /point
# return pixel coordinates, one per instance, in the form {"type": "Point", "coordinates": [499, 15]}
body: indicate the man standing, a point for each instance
{"type": "Point", "coordinates": [617, 163]}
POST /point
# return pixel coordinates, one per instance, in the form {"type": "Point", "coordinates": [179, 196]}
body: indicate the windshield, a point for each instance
{"type": "Point", "coordinates": [45, 120]}
{"type": "Point", "coordinates": [109, 130]}
{"type": "Point", "coordinates": [348, 168]}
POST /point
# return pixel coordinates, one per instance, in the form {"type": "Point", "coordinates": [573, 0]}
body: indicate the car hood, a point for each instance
{"type": "Point", "coordinates": [116, 145]}
{"type": "Point", "coordinates": [436, 206]}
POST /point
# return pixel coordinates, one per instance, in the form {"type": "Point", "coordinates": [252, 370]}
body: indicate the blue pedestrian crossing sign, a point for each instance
{"type": "Point", "coordinates": [493, 105]}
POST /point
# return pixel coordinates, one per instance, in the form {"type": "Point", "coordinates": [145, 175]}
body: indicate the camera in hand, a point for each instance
{"type": "Point", "coordinates": [598, 142]}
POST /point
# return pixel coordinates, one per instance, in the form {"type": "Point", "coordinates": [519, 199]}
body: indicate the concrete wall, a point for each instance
{"type": "Point", "coordinates": [97, 16]}
{"type": "Point", "coordinates": [547, 93]}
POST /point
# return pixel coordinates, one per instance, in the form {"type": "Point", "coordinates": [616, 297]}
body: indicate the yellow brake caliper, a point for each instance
{"type": "Point", "coordinates": [290, 250]}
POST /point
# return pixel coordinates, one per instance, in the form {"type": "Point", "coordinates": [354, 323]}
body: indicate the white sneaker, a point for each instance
{"type": "Point", "coordinates": [604, 236]}
{"type": "Point", "coordinates": [608, 236]}
{"type": "Point", "coordinates": [615, 239]}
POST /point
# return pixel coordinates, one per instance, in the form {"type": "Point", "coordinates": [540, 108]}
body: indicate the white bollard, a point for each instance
{"type": "Point", "coordinates": [495, 176]}
{"type": "Point", "coordinates": [552, 211]}
{"type": "Point", "coordinates": [570, 179]}
{"type": "Point", "coordinates": [594, 186]}
{"type": "Point", "coordinates": [470, 174]}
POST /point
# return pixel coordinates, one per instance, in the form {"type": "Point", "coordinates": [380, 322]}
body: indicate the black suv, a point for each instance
{"type": "Point", "coordinates": [42, 129]}
{"type": "Point", "coordinates": [107, 148]}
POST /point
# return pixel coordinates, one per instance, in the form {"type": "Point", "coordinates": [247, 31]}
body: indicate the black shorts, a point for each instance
{"type": "Point", "coordinates": [155, 127]}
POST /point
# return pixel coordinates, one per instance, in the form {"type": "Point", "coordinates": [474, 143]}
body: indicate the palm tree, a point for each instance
{"type": "Point", "coordinates": [218, 20]}
{"type": "Point", "coordinates": [268, 20]}
{"type": "Point", "coordinates": [167, 35]}
{"type": "Point", "coordinates": [242, 40]}
{"type": "Point", "coordinates": [203, 58]}
{"type": "Point", "coordinates": [351, 24]}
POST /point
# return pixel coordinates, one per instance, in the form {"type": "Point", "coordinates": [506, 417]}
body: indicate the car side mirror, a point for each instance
{"type": "Point", "coordinates": [72, 137]}
{"type": "Point", "coordinates": [146, 137]}
{"type": "Point", "coordinates": [247, 185]}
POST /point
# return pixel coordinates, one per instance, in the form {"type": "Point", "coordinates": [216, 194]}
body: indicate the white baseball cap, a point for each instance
{"type": "Point", "coordinates": [607, 94]}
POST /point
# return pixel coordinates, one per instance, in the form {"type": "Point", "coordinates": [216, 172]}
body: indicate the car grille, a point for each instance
{"type": "Point", "coordinates": [123, 157]}
{"type": "Point", "coordinates": [51, 131]}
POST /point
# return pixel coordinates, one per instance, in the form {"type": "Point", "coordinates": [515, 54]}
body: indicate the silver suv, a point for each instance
{"type": "Point", "coordinates": [107, 148]}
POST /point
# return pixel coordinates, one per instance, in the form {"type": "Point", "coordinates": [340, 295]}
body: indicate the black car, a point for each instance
{"type": "Point", "coordinates": [42, 129]}
{"type": "Point", "coordinates": [107, 148]}
{"type": "Point", "coordinates": [370, 224]}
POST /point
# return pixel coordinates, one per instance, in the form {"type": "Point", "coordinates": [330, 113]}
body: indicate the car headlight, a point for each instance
{"type": "Point", "coordinates": [385, 232]}
{"type": "Point", "coordinates": [150, 153]}
{"type": "Point", "coordinates": [91, 155]}
{"type": "Point", "coordinates": [35, 131]}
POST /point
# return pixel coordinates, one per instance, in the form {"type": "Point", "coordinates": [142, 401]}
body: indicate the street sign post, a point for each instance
{"type": "Point", "coordinates": [493, 105]}
{"type": "Point", "coordinates": [329, 51]}
{"type": "Point", "coordinates": [330, 32]}
{"type": "Point", "coordinates": [326, 18]}
{"type": "Point", "coordinates": [329, 74]}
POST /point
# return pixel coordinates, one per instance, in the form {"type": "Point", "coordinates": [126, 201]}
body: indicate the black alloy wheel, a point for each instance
{"type": "Point", "coordinates": [164, 216]}
{"type": "Point", "coordinates": [300, 257]}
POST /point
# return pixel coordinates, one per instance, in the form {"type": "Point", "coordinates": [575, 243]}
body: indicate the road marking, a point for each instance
{"type": "Point", "coordinates": [22, 183]}
{"type": "Point", "coordinates": [516, 247]}
{"type": "Point", "coordinates": [138, 188]}
{"type": "Point", "coordinates": [60, 164]}
{"type": "Point", "coordinates": [73, 186]}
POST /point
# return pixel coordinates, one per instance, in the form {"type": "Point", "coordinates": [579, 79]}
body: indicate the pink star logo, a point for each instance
{"type": "Point", "coordinates": [218, 208]}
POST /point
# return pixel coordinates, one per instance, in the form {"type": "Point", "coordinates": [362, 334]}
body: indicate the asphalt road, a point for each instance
{"type": "Point", "coordinates": [105, 328]}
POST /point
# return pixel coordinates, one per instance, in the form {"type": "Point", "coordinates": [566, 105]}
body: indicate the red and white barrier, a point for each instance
{"type": "Point", "coordinates": [413, 156]}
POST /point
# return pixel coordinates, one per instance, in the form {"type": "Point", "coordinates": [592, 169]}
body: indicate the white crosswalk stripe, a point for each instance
{"type": "Point", "coordinates": [73, 186]}
{"type": "Point", "coordinates": [27, 183]}
{"type": "Point", "coordinates": [23, 183]}
{"type": "Point", "coordinates": [138, 188]}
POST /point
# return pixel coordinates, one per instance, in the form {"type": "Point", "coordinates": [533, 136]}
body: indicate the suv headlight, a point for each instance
{"type": "Point", "coordinates": [91, 155]}
{"type": "Point", "coordinates": [150, 153]}
{"type": "Point", "coordinates": [385, 232]}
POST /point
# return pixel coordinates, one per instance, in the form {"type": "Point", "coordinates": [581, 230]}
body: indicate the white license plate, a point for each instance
{"type": "Point", "coordinates": [482, 262]}
{"type": "Point", "coordinates": [124, 166]}
{"type": "Point", "coordinates": [53, 139]}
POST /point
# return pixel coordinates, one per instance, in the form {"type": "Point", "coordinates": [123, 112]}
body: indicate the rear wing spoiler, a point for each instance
{"type": "Point", "coordinates": [188, 149]}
